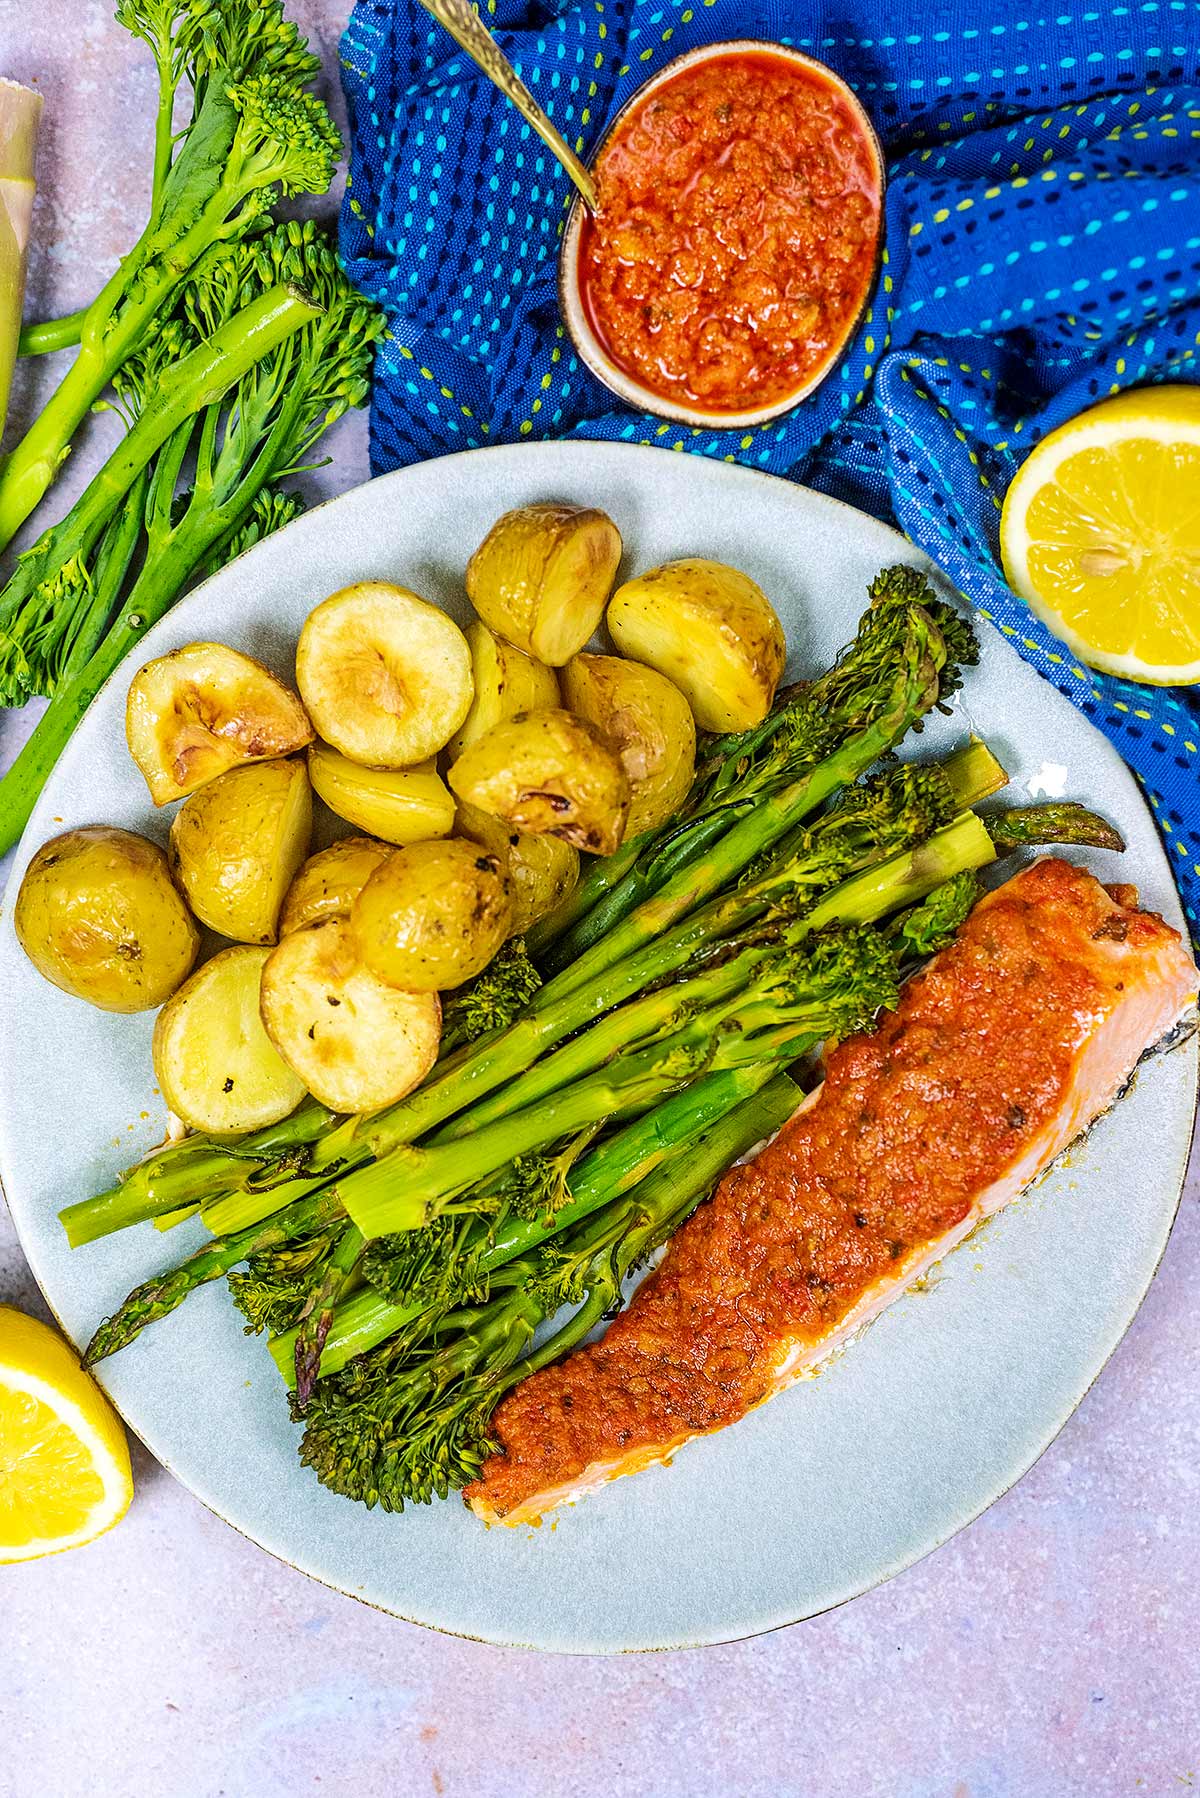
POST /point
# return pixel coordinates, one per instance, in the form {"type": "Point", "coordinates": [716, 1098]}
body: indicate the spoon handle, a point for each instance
{"type": "Point", "coordinates": [467, 28]}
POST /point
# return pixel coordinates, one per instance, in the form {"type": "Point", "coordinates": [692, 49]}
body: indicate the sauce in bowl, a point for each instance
{"type": "Point", "coordinates": [736, 239]}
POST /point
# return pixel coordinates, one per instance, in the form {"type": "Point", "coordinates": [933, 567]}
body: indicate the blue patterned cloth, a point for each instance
{"type": "Point", "coordinates": [1043, 251]}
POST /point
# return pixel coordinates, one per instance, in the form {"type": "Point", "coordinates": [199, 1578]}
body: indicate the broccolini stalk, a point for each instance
{"type": "Point", "coordinates": [905, 665]}
{"type": "Point", "coordinates": [198, 380]}
{"type": "Point", "coordinates": [833, 986]}
{"type": "Point", "coordinates": [448, 1266]}
{"type": "Point", "coordinates": [899, 687]}
{"type": "Point", "coordinates": [243, 442]}
{"type": "Point", "coordinates": [399, 1429]}
{"type": "Point", "coordinates": [804, 731]}
{"type": "Point", "coordinates": [371, 1317]}
{"type": "Point", "coordinates": [317, 1314]}
{"type": "Point", "coordinates": [255, 133]}
{"type": "Point", "coordinates": [895, 811]}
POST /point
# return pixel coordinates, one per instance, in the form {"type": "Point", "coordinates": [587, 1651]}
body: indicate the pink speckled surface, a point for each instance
{"type": "Point", "coordinates": [1048, 1651]}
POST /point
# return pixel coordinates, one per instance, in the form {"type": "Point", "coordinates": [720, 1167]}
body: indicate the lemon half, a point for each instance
{"type": "Point", "coordinates": [1100, 535]}
{"type": "Point", "coordinates": [64, 1460]}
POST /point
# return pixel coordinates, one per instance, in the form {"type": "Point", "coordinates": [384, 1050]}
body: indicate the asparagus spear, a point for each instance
{"type": "Point", "coordinates": [403, 1428]}
{"type": "Point", "coordinates": [901, 676]}
{"type": "Point", "coordinates": [159, 1296]}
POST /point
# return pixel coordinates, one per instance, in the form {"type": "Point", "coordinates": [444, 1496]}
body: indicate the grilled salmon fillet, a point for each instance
{"type": "Point", "coordinates": [1007, 1046]}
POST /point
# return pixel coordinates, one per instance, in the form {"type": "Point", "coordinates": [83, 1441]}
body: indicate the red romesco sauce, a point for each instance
{"type": "Point", "coordinates": [737, 231]}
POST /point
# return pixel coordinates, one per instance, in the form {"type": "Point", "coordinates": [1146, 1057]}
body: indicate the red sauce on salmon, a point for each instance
{"type": "Point", "coordinates": [736, 237]}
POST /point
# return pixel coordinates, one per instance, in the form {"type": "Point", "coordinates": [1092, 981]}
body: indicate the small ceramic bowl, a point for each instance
{"type": "Point", "coordinates": [593, 353]}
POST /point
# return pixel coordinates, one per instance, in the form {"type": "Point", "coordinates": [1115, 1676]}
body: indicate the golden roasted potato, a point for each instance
{"type": "Point", "coordinates": [99, 915]}
{"type": "Point", "coordinates": [194, 713]}
{"type": "Point", "coordinates": [544, 869]}
{"type": "Point", "coordinates": [648, 719]}
{"type": "Point", "coordinates": [330, 881]}
{"type": "Point", "coordinates": [507, 681]}
{"type": "Point", "coordinates": [401, 805]}
{"type": "Point", "coordinates": [386, 676]}
{"type": "Point", "coordinates": [548, 771]}
{"type": "Point", "coordinates": [213, 1061]}
{"type": "Point", "coordinates": [237, 843]}
{"type": "Point", "coordinates": [711, 630]}
{"type": "Point", "coordinates": [434, 914]}
{"type": "Point", "coordinates": [356, 1043]}
{"type": "Point", "coordinates": [541, 576]}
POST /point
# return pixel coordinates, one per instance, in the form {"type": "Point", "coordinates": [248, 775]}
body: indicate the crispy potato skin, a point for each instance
{"type": "Point", "coordinates": [551, 772]}
{"type": "Point", "coordinates": [541, 576]}
{"type": "Point", "coordinates": [202, 709]}
{"type": "Point", "coordinates": [507, 682]}
{"type": "Point", "coordinates": [544, 869]}
{"type": "Point", "coordinates": [399, 805]}
{"type": "Point", "coordinates": [236, 846]}
{"type": "Point", "coordinates": [711, 630]}
{"type": "Point", "coordinates": [99, 916]}
{"type": "Point", "coordinates": [434, 914]}
{"type": "Point", "coordinates": [213, 1061]}
{"type": "Point", "coordinates": [649, 720]}
{"type": "Point", "coordinates": [330, 881]}
{"type": "Point", "coordinates": [385, 675]}
{"type": "Point", "coordinates": [356, 1043]}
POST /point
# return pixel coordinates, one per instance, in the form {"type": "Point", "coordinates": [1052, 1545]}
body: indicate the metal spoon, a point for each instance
{"type": "Point", "coordinates": [467, 28]}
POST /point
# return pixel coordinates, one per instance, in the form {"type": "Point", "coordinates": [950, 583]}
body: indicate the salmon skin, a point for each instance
{"type": "Point", "coordinates": [1002, 1051]}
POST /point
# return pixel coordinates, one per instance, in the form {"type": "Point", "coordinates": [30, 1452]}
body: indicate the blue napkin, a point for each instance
{"type": "Point", "coordinates": [1043, 251]}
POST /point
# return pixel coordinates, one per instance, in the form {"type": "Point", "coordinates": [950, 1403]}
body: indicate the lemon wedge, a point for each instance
{"type": "Point", "coordinates": [1100, 535]}
{"type": "Point", "coordinates": [64, 1461]}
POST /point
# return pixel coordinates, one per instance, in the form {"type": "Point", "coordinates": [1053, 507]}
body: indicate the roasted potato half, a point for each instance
{"type": "Point", "coordinates": [236, 846]}
{"type": "Point", "coordinates": [548, 771]}
{"type": "Point", "coordinates": [401, 805]}
{"type": "Point", "coordinates": [330, 881]}
{"type": "Point", "coordinates": [99, 915]}
{"type": "Point", "coordinates": [194, 713]}
{"type": "Point", "coordinates": [386, 676]}
{"type": "Point", "coordinates": [711, 630]}
{"type": "Point", "coordinates": [214, 1063]}
{"type": "Point", "coordinates": [544, 869]}
{"type": "Point", "coordinates": [356, 1043]}
{"type": "Point", "coordinates": [541, 576]}
{"type": "Point", "coordinates": [507, 681]}
{"type": "Point", "coordinates": [649, 721]}
{"type": "Point", "coordinates": [434, 914]}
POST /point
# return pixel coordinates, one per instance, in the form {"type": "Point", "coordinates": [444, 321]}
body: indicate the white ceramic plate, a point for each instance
{"type": "Point", "coordinates": [831, 1488]}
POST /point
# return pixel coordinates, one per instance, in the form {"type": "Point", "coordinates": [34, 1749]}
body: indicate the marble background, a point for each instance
{"type": "Point", "coordinates": [1049, 1651]}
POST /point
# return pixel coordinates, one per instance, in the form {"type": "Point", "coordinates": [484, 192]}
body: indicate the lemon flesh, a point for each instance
{"type": "Point", "coordinates": [1100, 535]}
{"type": "Point", "coordinates": [64, 1461]}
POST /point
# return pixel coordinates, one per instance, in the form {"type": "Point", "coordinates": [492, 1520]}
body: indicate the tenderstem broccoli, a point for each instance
{"type": "Point", "coordinates": [255, 133]}
{"type": "Point", "coordinates": [270, 345]}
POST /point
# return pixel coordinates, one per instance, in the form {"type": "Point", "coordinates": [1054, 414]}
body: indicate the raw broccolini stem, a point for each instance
{"type": "Point", "coordinates": [250, 137]}
{"type": "Point", "coordinates": [198, 380]}
{"type": "Point", "coordinates": [52, 334]}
